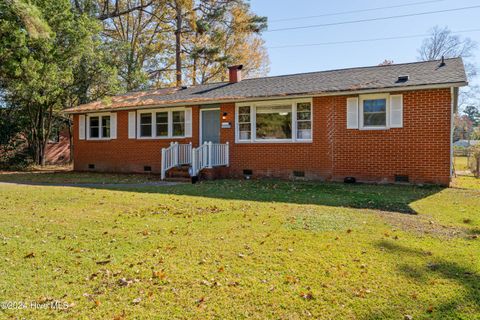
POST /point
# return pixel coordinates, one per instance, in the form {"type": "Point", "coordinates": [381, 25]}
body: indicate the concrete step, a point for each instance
{"type": "Point", "coordinates": [180, 172]}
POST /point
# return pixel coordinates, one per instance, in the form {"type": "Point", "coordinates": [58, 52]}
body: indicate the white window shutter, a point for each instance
{"type": "Point", "coordinates": [188, 122]}
{"type": "Point", "coordinates": [396, 111]}
{"type": "Point", "coordinates": [132, 125]}
{"type": "Point", "coordinates": [113, 125]}
{"type": "Point", "coordinates": [81, 127]}
{"type": "Point", "coordinates": [352, 113]}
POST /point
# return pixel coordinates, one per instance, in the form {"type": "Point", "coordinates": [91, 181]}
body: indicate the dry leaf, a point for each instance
{"type": "Point", "coordinates": [307, 295]}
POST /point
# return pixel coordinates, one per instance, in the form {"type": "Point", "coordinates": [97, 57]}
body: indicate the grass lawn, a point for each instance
{"type": "Point", "coordinates": [461, 163]}
{"type": "Point", "coordinates": [71, 177]}
{"type": "Point", "coordinates": [240, 249]}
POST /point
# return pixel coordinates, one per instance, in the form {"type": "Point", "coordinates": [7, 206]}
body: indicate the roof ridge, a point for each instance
{"type": "Point", "coordinates": [352, 68]}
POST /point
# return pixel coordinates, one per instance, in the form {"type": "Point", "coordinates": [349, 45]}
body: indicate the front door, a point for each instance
{"type": "Point", "coordinates": [210, 125]}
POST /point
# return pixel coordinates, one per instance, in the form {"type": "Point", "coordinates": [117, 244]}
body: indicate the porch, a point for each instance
{"type": "Point", "coordinates": [207, 156]}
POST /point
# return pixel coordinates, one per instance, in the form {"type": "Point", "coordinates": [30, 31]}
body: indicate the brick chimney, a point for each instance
{"type": "Point", "coordinates": [235, 73]}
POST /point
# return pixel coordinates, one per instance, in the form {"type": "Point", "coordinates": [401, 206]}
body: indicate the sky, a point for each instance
{"type": "Point", "coordinates": [334, 56]}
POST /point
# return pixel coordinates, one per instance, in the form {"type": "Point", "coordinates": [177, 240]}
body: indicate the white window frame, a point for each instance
{"type": "Point", "coordinates": [272, 103]}
{"type": "Point", "coordinates": [100, 133]}
{"type": "Point", "coordinates": [154, 123]}
{"type": "Point", "coordinates": [379, 96]}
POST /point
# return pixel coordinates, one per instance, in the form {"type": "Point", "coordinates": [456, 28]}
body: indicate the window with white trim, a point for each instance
{"type": "Point", "coordinates": [275, 121]}
{"type": "Point", "coordinates": [178, 120]}
{"type": "Point", "coordinates": [375, 113]}
{"type": "Point", "coordinates": [244, 123]}
{"type": "Point", "coordinates": [162, 123]}
{"type": "Point", "coordinates": [304, 121]}
{"type": "Point", "coordinates": [99, 127]}
{"type": "Point", "coordinates": [146, 124]}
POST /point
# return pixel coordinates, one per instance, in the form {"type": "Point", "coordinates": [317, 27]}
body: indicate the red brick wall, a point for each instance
{"type": "Point", "coordinates": [123, 154]}
{"type": "Point", "coordinates": [421, 149]}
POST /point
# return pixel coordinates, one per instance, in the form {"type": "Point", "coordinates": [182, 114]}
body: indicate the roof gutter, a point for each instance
{"type": "Point", "coordinates": [266, 98]}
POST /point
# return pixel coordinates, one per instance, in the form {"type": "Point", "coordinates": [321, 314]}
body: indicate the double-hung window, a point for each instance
{"type": "Point", "coordinates": [381, 111]}
{"type": "Point", "coordinates": [178, 123]}
{"type": "Point", "coordinates": [374, 112]}
{"type": "Point", "coordinates": [304, 121]}
{"type": "Point", "coordinates": [99, 127]}
{"type": "Point", "coordinates": [146, 125]}
{"type": "Point", "coordinates": [276, 121]}
{"type": "Point", "coordinates": [163, 123]}
{"type": "Point", "coordinates": [244, 123]}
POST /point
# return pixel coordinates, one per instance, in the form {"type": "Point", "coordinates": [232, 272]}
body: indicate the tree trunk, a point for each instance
{"type": "Point", "coordinates": [194, 72]}
{"type": "Point", "coordinates": [178, 43]}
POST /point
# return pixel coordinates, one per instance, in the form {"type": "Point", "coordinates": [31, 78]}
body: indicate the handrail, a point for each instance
{"type": "Point", "coordinates": [209, 155]}
{"type": "Point", "coordinates": [174, 156]}
{"type": "Point", "coordinates": [199, 159]}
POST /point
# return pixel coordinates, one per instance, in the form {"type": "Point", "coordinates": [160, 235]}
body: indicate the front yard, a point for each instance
{"type": "Point", "coordinates": [238, 249]}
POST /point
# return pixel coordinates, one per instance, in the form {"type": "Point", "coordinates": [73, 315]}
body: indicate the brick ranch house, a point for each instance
{"type": "Point", "coordinates": [379, 124]}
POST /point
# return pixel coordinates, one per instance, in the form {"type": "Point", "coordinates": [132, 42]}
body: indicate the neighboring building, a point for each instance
{"type": "Point", "coordinates": [466, 143]}
{"type": "Point", "coordinates": [58, 149]}
{"type": "Point", "coordinates": [383, 124]}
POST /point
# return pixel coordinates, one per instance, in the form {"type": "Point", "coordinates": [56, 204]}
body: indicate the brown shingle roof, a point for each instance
{"type": "Point", "coordinates": [315, 83]}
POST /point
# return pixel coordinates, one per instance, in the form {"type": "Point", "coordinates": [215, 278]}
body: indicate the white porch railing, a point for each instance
{"type": "Point", "coordinates": [209, 155]}
{"type": "Point", "coordinates": [199, 159]}
{"type": "Point", "coordinates": [218, 154]}
{"type": "Point", "coordinates": [174, 156]}
{"type": "Point", "coordinates": [184, 154]}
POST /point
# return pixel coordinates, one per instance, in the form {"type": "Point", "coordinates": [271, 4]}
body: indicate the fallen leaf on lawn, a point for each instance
{"type": "Point", "coordinates": [124, 282]}
{"type": "Point", "coordinates": [136, 300]}
{"type": "Point", "coordinates": [120, 316]}
{"type": "Point", "coordinates": [206, 283]}
{"type": "Point", "coordinates": [430, 309]}
{"type": "Point", "coordinates": [200, 301]}
{"type": "Point", "coordinates": [159, 274]}
{"type": "Point", "coordinates": [221, 269]}
{"type": "Point", "coordinates": [30, 255]}
{"type": "Point", "coordinates": [241, 255]}
{"type": "Point", "coordinates": [306, 295]}
{"type": "Point", "coordinates": [290, 280]}
{"type": "Point", "coordinates": [349, 231]}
